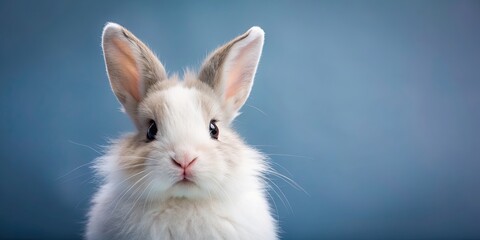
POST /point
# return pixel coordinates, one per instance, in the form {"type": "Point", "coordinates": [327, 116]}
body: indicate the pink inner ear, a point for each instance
{"type": "Point", "coordinates": [241, 72]}
{"type": "Point", "coordinates": [128, 66]}
{"type": "Point", "coordinates": [234, 83]}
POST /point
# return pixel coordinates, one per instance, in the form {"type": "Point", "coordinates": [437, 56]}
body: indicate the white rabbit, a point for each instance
{"type": "Point", "coordinates": [185, 173]}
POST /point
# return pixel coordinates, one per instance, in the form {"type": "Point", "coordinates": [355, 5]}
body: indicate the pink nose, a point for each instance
{"type": "Point", "coordinates": [183, 160]}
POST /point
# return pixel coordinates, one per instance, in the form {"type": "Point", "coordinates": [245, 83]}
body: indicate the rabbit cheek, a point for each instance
{"type": "Point", "coordinates": [132, 158]}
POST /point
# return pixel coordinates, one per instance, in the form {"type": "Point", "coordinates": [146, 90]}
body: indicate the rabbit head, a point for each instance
{"type": "Point", "coordinates": [184, 145]}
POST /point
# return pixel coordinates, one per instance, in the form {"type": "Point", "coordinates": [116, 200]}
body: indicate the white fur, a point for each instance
{"type": "Point", "coordinates": [226, 198]}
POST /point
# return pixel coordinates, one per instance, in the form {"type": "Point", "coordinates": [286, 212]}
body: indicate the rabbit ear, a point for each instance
{"type": "Point", "coordinates": [230, 69]}
{"type": "Point", "coordinates": [132, 68]}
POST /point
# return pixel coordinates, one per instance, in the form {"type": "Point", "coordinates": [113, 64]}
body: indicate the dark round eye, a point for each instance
{"type": "Point", "coordinates": [213, 129]}
{"type": "Point", "coordinates": [152, 131]}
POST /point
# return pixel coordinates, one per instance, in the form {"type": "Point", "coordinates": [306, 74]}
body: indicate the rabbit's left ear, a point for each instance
{"type": "Point", "coordinates": [230, 69]}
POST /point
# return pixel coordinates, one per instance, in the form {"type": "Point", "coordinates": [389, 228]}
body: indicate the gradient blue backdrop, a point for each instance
{"type": "Point", "coordinates": [371, 106]}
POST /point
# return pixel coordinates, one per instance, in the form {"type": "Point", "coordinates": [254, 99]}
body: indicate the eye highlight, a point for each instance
{"type": "Point", "coordinates": [213, 129]}
{"type": "Point", "coordinates": [152, 131]}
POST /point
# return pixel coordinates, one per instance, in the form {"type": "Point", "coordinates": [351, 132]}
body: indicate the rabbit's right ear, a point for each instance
{"type": "Point", "coordinates": [230, 70]}
{"type": "Point", "coordinates": [132, 67]}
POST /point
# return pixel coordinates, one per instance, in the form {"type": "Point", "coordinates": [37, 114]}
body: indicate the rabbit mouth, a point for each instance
{"type": "Point", "coordinates": [185, 182]}
{"type": "Point", "coordinates": [185, 187]}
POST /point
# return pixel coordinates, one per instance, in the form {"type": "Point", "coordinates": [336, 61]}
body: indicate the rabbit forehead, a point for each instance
{"type": "Point", "coordinates": [180, 104]}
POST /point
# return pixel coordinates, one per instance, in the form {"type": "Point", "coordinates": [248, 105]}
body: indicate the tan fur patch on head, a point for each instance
{"type": "Point", "coordinates": [154, 105]}
{"type": "Point", "coordinates": [132, 157]}
{"type": "Point", "coordinates": [163, 85]}
{"type": "Point", "coordinates": [209, 99]}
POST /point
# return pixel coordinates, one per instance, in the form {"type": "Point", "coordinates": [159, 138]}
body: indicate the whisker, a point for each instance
{"type": "Point", "coordinates": [256, 108]}
{"type": "Point", "coordinates": [141, 157]}
{"type": "Point", "coordinates": [290, 155]}
{"type": "Point", "coordinates": [147, 199]}
{"type": "Point", "coordinates": [126, 191]}
{"type": "Point", "coordinates": [116, 170]}
{"type": "Point", "coordinates": [138, 198]}
{"type": "Point", "coordinates": [288, 180]}
{"type": "Point", "coordinates": [273, 201]}
{"type": "Point", "coordinates": [219, 187]}
{"type": "Point", "coordinates": [135, 166]}
{"type": "Point", "coordinates": [94, 163]}
{"type": "Point", "coordinates": [280, 166]}
{"type": "Point", "coordinates": [86, 146]}
{"type": "Point", "coordinates": [278, 195]}
{"type": "Point", "coordinates": [73, 170]}
{"type": "Point", "coordinates": [88, 179]}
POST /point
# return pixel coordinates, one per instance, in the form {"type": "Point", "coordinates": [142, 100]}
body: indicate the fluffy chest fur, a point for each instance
{"type": "Point", "coordinates": [189, 221]}
{"type": "Point", "coordinates": [246, 218]}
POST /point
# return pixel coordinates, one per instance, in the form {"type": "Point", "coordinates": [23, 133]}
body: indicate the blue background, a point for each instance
{"type": "Point", "coordinates": [371, 106]}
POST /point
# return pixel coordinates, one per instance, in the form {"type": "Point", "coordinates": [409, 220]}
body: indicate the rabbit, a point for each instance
{"type": "Point", "coordinates": [184, 173]}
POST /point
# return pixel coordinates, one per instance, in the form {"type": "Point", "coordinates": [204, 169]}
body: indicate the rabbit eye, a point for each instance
{"type": "Point", "coordinates": [213, 129]}
{"type": "Point", "coordinates": [152, 131]}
